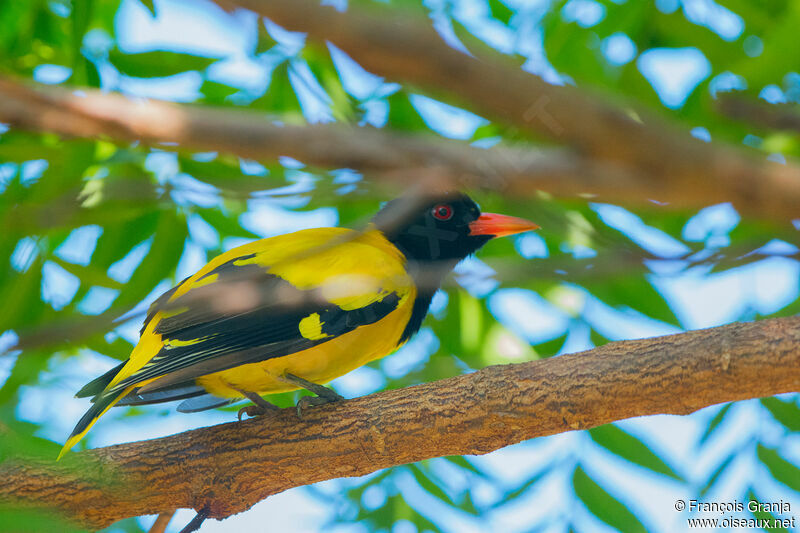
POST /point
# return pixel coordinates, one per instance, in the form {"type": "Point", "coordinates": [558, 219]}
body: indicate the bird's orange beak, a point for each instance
{"type": "Point", "coordinates": [500, 225]}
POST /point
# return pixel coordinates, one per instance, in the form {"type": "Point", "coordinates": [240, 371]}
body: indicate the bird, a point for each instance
{"type": "Point", "coordinates": [295, 311]}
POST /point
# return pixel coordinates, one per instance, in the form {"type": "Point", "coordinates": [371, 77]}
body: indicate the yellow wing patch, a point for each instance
{"type": "Point", "coordinates": [176, 343]}
{"type": "Point", "coordinates": [311, 327]}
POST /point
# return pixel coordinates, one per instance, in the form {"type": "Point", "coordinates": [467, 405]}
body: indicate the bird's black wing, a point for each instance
{"type": "Point", "coordinates": [245, 315]}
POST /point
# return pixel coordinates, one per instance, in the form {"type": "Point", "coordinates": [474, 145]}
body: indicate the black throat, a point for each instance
{"type": "Point", "coordinates": [428, 276]}
{"type": "Point", "coordinates": [433, 237]}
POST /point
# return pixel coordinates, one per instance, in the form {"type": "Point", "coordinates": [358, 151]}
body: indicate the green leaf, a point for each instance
{"type": "Point", "coordinates": [403, 115]}
{"type": "Point", "coordinates": [280, 98]}
{"type": "Point", "coordinates": [630, 448]}
{"type": "Point", "coordinates": [430, 486]}
{"type": "Point", "coordinates": [786, 412]}
{"type": "Point", "coordinates": [117, 240]}
{"type": "Point", "coordinates": [357, 492]}
{"type": "Point", "coordinates": [26, 370]}
{"type": "Point", "coordinates": [20, 146]}
{"type": "Point", "coordinates": [17, 520]}
{"type": "Point", "coordinates": [634, 292]}
{"type": "Point", "coordinates": [782, 470]}
{"type": "Point", "coordinates": [80, 16]}
{"type": "Point", "coordinates": [235, 186]}
{"type": "Point", "coordinates": [602, 504]}
{"type": "Point", "coordinates": [714, 423]}
{"type": "Point", "coordinates": [500, 11]}
{"type": "Point", "coordinates": [20, 442]}
{"type": "Point", "coordinates": [227, 226]}
{"type": "Point", "coordinates": [462, 462]}
{"type": "Point", "coordinates": [157, 64]}
{"type": "Point", "coordinates": [395, 509]}
{"type": "Point", "coordinates": [119, 348]}
{"type": "Point", "coordinates": [481, 48]}
{"type": "Point", "coordinates": [772, 65]}
{"type": "Point", "coordinates": [88, 274]}
{"type": "Point", "coordinates": [597, 338]}
{"type": "Point", "coordinates": [217, 93]}
{"type": "Point", "coordinates": [552, 347]}
{"type": "Point", "coordinates": [342, 105]}
{"type": "Point", "coordinates": [472, 329]}
{"type": "Point", "coordinates": [265, 40]}
{"type": "Point", "coordinates": [468, 505]}
{"type": "Point", "coordinates": [150, 5]}
{"type": "Point", "coordinates": [714, 477]}
{"type": "Point", "coordinates": [757, 14]}
{"type": "Point", "coordinates": [575, 51]}
{"type": "Point", "coordinates": [523, 488]}
{"type": "Point", "coordinates": [23, 295]}
{"type": "Point", "coordinates": [160, 262]}
{"type": "Point", "coordinates": [217, 172]}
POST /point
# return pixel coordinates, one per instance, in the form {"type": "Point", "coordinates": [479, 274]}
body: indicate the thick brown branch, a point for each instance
{"type": "Point", "coordinates": [230, 467]}
{"type": "Point", "coordinates": [675, 167]}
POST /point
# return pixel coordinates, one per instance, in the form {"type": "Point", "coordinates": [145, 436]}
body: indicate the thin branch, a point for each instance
{"type": "Point", "coordinates": [775, 116]}
{"type": "Point", "coordinates": [230, 467]}
{"type": "Point", "coordinates": [71, 330]}
{"type": "Point", "coordinates": [161, 523]}
{"type": "Point", "coordinates": [195, 523]}
{"type": "Point", "coordinates": [671, 165]}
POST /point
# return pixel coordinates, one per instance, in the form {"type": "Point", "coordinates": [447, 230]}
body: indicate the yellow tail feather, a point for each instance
{"type": "Point", "coordinates": [75, 439]}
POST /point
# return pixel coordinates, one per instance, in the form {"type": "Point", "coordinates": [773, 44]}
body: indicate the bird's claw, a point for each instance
{"type": "Point", "coordinates": [307, 401]}
{"type": "Point", "coordinates": [259, 407]}
{"type": "Point", "coordinates": [251, 410]}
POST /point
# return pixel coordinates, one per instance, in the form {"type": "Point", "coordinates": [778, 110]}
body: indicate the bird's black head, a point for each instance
{"type": "Point", "coordinates": [446, 227]}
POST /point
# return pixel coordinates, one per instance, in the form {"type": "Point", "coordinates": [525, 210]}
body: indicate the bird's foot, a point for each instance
{"type": "Point", "coordinates": [251, 411]}
{"type": "Point", "coordinates": [323, 394]}
{"type": "Point", "coordinates": [259, 407]}
{"type": "Point", "coordinates": [307, 401]}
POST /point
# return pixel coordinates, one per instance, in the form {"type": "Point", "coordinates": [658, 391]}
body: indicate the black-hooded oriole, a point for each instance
{"type": "Point", "coordinates": [294, 311]}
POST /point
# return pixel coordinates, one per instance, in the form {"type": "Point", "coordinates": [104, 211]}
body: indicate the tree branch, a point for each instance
{"type": "Point", "coordinates": [230, 467]}
{"type": "Point", "coordinates": [784, 117]}
{"type": "Point", "coordinates": [677, 167]}
{"type": "Point", "coordinates": [383, 154]}
{"type": "Point", "coordinates": [161, 523]}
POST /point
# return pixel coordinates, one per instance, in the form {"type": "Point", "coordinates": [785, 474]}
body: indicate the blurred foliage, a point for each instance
{"type": "Point", "coordinates": [147, 211]}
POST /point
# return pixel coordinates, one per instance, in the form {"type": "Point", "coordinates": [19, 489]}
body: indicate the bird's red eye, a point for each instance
{"type": "Point", "coordinates": [442, 212]}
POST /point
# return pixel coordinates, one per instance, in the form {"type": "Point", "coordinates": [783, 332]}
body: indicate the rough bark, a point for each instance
{"type": "Point", "coordinates": [671, 165]}
{"type": "Point", "coordinates": [230, 467]}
